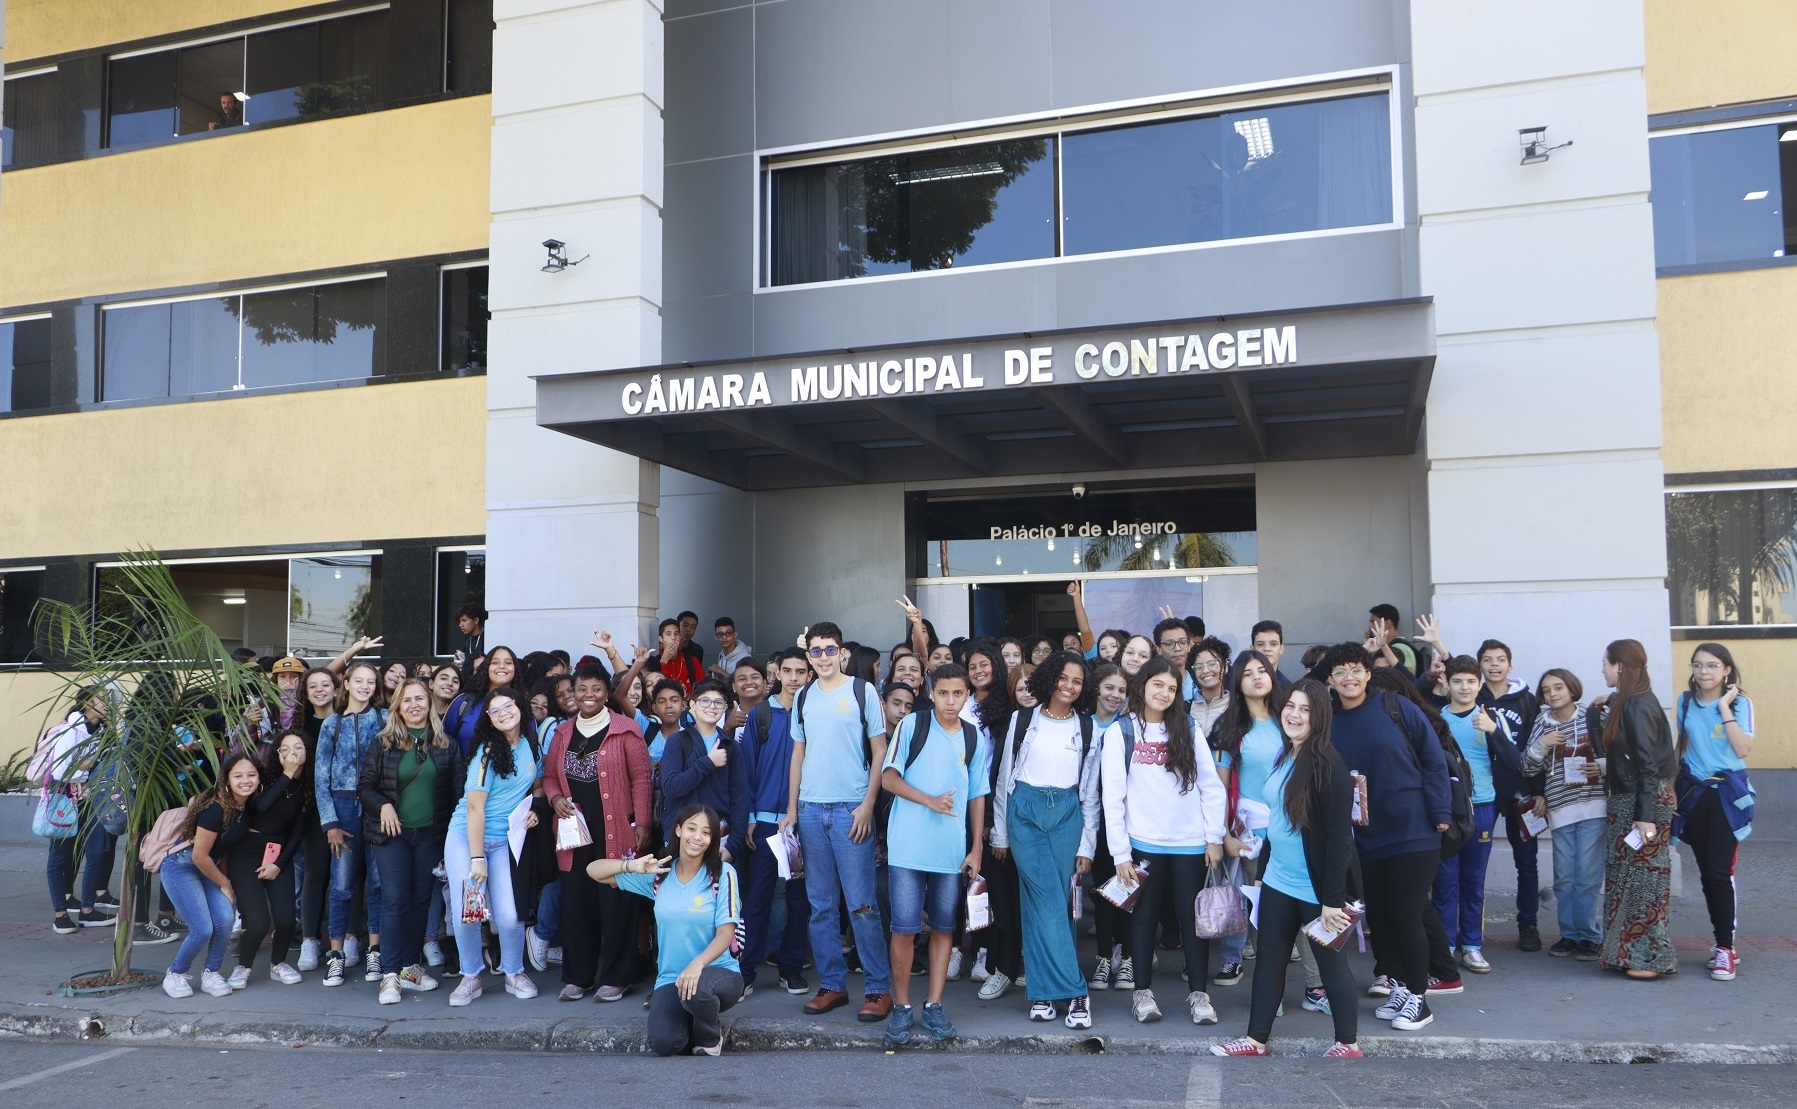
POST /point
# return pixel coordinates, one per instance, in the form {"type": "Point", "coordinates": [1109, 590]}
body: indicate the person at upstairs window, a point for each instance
{"type": "Point", "coordinates": [471, 621]}
{"type": "Point", "coordinates": [1715, 736]}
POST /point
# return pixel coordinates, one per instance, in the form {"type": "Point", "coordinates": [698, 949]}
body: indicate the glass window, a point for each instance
{"type": "Point", "coordinates": [28, 121]}
{"type": "Point", "coordinates": [202, 346]}
{"type": "Point", "coordinates": [312, 607]}
{"type": "Point", "coordinates": [967, 206]}
{"type": "Point", "coordinates": [280, 65]}
{"type": "Point", "coordinates": [469, 57]}
{"type": "Point", "coordinates": [135, 353]}
{"type": "Point", "coordinates": [465, 321]}
{"type": "Point", "coordinates": [322, 333]}
{"type": "Point", "coordinates": [24, 365]}
{"type": "Point", "coordinates": [208, 79]}
{"type": "Point", "coordinates": [20, 591]}
{"type": "Point", "coordinates": [461, 577]}
{"type": "Point", "coordinates": [1269, 171]}
{"type": "Point", "coordinates": [140, 99]}
{"type": "Point", "coordinates": [332, 601]}
{"type": "Point", "coordinates": [1732, 557]}
{"type": "Point", "coordinates": [1719, 196]}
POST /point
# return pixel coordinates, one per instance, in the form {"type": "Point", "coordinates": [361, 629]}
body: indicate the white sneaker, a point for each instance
{"type": "Point", "coordinates": [1043, 1011]}
{"type": "Point", "coordinates": [285, 974]}
{"type": "Point", "coordinates": [1380, 987]}
{"type": "Point", "coordinates": [467, 991]}
{"type": "Point", "coordinates": [236, 926]}
{"type": "Point", "coordinates": [179, 985]}
{"type": "Point", "coordinates": [415, 978]}
{"type": "Point", "coordinates": [433, 953]}
{"type": "Point", "coordinates": [995, 986]}
{"type": "Point", "coordinates": [954, 965]}
{"type": "Point", "coordinates": [352, 951]}
{"type": "Point", "coordinates": [390, 989]}
{"type": "Point", "coordinates": [554, 958]}
{"type": "Point", "coordinates": [979, 973]}
{"type": "Point", "coordinates": [520, 985]}
{"type": "Point", "coordinates": [1202, 1011]}
{"type": "Point", "coordinates": [214, 983]}
{"type": "Point", "coordinates": [536, 948]}
{"type": "Point", "coordinates": [240, 977]}
{"type": "Point", "coordinates": [1079, 1013]}
{"type": "Point", "coordinates": [1142, 1006]}
{"type": "Point", "coordinates": [308, 959]}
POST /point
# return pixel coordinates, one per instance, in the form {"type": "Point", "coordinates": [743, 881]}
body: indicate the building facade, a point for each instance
{"type": "Point", "coordinates": [1252, 311]}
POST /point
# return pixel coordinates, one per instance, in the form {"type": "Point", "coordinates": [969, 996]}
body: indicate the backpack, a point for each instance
{"type": "Point", "coordinates": [1460, 783]}
{"type": "Point", "coordinates": [920, 733]}
{"type": "Point", "coordinates": [163, 839]}
{"type": "Point", "coordinates": [861, 688]}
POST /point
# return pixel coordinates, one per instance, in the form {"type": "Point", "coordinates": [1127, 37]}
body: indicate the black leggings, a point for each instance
{"type": "Point", "coordinates": [1003, 940]}
{"type": "Point", "coordinates": [1179, 878]}
{"type": "Point", "coordinates": [314, 890]}
{"type": "Point", "coordinates": [1397, 892]}
{"type": "Point", "coordinates": [261, 904]}
{"type": "Point", "coordinates": [1714, 844]}
{"type": "Point", "coordinates": [1281, 917]}
{"type": "Point", "coordinates": [1110, 922]}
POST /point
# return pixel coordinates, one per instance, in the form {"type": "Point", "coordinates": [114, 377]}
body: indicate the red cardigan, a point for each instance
{"type": "Point", "coordinates": [623, 783]}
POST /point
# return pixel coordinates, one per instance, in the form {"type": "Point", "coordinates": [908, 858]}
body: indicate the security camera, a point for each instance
{"type": "Point", "coordinates": [1079, 491]}
{"type": "Point", "coordinates": [554, 244]}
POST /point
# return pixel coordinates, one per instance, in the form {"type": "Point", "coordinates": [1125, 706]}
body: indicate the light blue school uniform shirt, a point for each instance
{"type": "Point", "coordinates": [1478, 754]}
{"type": "Point", "coordinates": [503, 793]}
{"type": "Point", "coordinates": [688, 916]}
{"type": "Point", "coordinates": [1707, 750]}
{"type": "Point", "coordinates": [921, 839]}
{"type": "Point", "coordinates": [1260, 747]}
{"type": "Point", "coordinates": [1286, 870]}
{"type": "Point", "coordinates": [835, 767]}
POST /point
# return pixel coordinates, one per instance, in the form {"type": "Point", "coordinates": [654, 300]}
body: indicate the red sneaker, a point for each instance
{"type": "Point", "coordinates": [1725, 964]}
{"type": "Point", "coordinates": [1238, 1048]}
{"type": "Point", "coordinates": [1344, 1051]}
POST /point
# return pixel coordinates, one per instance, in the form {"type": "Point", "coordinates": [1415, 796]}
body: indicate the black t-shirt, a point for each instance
{"type": "Point", "coordinates": [212, 818]}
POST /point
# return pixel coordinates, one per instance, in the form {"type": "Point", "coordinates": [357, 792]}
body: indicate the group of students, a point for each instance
{"type": "Point", "coordinates": [559, 796]}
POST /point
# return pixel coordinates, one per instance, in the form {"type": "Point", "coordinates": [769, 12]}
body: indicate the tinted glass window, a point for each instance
{"type": "Point", "coordinates": [208, 79]}
{"type": "Point", "coordinates": [135, 353]}
{"type": "Point", "coordinates": [465, 320]}
{"type": "Point", "coordinates": [140, 100]}
{"type": "Point", "coordinates": [1719, 196]}
{"type": "Point", "coordinates": [333, 601]}
{"type": "Point", "coordinates": [203, 346]}
{"type": "Point", "coordinates": [1276, 170]}
{"type": "Point", "coordinates": [461, 577]}
{"type": "Point", "coordinates": [19, 594]}
{"type": "Point", "coordinates": [282, 67]}
{"type": "Point", "coordinates": [1732, 557]}
{"type": "Point", "coordinates": [324, 333]}
{"type": "Point", "coordinates": [469, 61]}
{"type": "Point", "coordinates": [969, 205]}
{"type": "Point", "coordinates": [24, 365]}
{"type": "Point", "coordinates": [28, 121]}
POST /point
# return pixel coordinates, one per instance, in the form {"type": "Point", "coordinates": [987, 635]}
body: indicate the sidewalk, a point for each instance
{"type": "Point", "coordinates": [1532, 1007]}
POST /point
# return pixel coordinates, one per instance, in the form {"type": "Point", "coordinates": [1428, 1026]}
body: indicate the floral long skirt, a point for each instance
{"type": "Point", "coordinates": [1638, 894]}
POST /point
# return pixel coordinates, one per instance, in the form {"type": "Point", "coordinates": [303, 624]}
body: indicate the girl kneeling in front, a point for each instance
{"type": "Point", "coordinates": [698, 914]}
{"type": "Point", "coordinates": [1310, 872]}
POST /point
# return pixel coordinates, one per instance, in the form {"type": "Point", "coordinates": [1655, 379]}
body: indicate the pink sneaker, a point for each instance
{"type": "Point", "coordinates": [1238, 1048]}
{"type": "Point", "coordinates": [1344, 1051]}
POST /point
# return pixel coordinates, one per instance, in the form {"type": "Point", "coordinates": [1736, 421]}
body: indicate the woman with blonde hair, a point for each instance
{"type": "Point", "coordinates": [410, 780]}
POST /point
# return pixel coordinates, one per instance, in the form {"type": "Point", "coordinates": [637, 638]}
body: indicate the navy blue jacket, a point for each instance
{"type": "Point", "coordinates": [689, 777]}
{"type": "Point", "coordinates": [1406, 773]}
{"type": "Point", "coordinates": [768, 760]}
{"type": "Point", "coordinates": [1515, 714]}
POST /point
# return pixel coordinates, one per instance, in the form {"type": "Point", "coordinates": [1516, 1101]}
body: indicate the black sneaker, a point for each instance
{"type": "Point", "coordinates": [373, 960]}
{"type": "Point", "coordinates": [64, 925]}
{"type": "Point", "coordinates": [1562, 948]}
{"type": "Point", "coordinates": [796, 985]}
{"type": "Point", "coordinates": [169, 922]}
{"type": "Point", "coordinates": [333, 967]}
{"type": "Point", "coordinates": [1528, 937]}
{"type": "Point", "coordinates": [148, 935]}
{"type": "Point", "coordinates": [88, 918]}
{"type": "Point", "coordinates": [1228, 974]}
{"type": "Point", "coordinates": [106, 899]}
{"type": "Point", "coordinates": [1587, 952]}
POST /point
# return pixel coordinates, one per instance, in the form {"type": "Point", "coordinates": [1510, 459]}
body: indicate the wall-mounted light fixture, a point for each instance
{"type": "Point", "coordinates": [1534, 145]}
{"type": "Point", "coordinates": [558, 256]}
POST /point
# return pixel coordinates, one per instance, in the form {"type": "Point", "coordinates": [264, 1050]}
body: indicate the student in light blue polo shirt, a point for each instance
{"type": "Point", "coordinates": [1715, 736]}
{"type": "Point", "coordinates": [1459, 891]}
{"type": "Point", "coordinates": [938, 808]}
{"type": "Point", "coordinates": [838, 747]}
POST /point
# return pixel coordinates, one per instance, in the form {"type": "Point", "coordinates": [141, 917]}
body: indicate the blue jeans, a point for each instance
{"type": "Point", "coordinates": [1460, 883]}
{"type": "Point", "coordinates": [1528, 869]}
{"type": "Point", "coordinates": [207, 911]}
{"type": "Point", "coordinates": [1579, 879]}
{"type": "Point", "coordinates": [407, 860]}
{"type": "Point", "coordinates": [549, 914]}
{"type": "Point", "coordinates": [758, 905]}
{"type": "Point", "coordinates": [504, 909]}
{"type": "Point", "coordinates": [1043, 826]}
{"type": "Point", "coordinates": [919, 896]}
{"type": "Point", "coordinates": [836, 866]}
{"type": "Point", "coordinates": [348, 871]}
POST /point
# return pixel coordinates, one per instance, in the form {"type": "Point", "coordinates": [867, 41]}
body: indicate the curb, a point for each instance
{"type": "Point", "coordinates": [757, 1036]}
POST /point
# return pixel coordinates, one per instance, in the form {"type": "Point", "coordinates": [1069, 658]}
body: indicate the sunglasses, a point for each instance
{"type": "Point", "coordinates": [824, 652]}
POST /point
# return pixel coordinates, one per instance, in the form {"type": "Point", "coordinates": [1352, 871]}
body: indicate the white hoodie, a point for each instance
{"type": "Point", "coordinates": [1142, 800]}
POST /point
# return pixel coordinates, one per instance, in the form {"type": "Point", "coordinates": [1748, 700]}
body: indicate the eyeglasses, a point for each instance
{"type": "Point", "coordinates": [824, 652]}
{"type": "Point", "coordinates": [711, 702]}
{"type": "Point", "coordinates": [1208, 667]}
{"type": "Point", "coordinates": [1706, 666]}
{"type": "Point", "coordinates": [499, 708]}
{"type": "Point", "coordinates": [1348, 672]}
{"type": "Point", "coordinates": [1175, 644]}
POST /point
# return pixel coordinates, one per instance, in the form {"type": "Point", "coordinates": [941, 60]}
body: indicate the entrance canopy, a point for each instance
{"type": "Point", "coordinates": [1328, 383]}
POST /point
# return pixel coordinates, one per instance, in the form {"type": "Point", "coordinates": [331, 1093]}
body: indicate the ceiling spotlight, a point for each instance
{"type": "Point", "coordinates": [1534, 145]}
{"type": "Point", "coordinates": [558, 256]}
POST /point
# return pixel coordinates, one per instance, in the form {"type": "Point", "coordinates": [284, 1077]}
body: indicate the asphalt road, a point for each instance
{"type": "Point", "coordinates": [101, 1074]}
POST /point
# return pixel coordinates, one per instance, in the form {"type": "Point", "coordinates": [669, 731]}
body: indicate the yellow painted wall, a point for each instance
{"type": "Point", "coordinates": [1765, 664]}
{"type": "Point", "coordinates": [22, 708]}
{"type": "Point", "coordinates": [390, 184]}
{"type": "Point", "coordinates": [40, 28]}
{"type": "Point", "coordinates": [375, 462]}
{"type": "Point", "coordinates": [1719, 52]}
{"type": "Point", "coordinates": [1728, 371]}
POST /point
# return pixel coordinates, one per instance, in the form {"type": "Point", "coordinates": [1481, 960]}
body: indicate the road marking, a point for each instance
{"type": "Point", "coordinates": [1204, 1086]}
{"type": "Point", "coordinates": [74, 1064]}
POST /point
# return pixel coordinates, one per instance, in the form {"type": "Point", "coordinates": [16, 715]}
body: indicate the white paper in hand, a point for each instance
{"type": "Point", "coordinates": [1252, 893]}
{"type": "Point", "coordinates": [514, 828]}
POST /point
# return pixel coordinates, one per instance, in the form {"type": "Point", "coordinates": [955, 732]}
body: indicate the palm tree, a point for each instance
{"type": "Point", "coordinates": [1721, 544]}
{"type": "Point", "coordinates": [1193, 550]}
{"type": "Point", "coordinates": [170, 686]}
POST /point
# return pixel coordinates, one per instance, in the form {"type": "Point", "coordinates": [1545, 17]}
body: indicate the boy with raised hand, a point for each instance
{"type": "Point", "coordinates": [1459, 892]}
{"type": "Point", "coordinates": [939, 783]}
{"type": "Point", "coordinates": [838, 747]}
